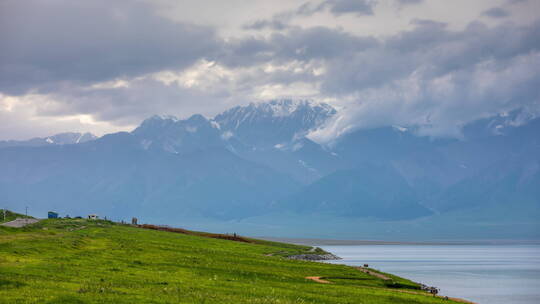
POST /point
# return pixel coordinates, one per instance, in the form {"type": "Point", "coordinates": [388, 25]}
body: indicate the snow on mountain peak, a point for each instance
{"type": "Point", "coordinates": [159, 117]}
{"type": "Point", "coordinates": [281, 108]}
{"type": "Point", "coordinates": [286, 107]}
{"type": "Point", "coordinates": [256, 124]}
{"type": "Point", "coordinates": [308, 112]}
{"type": "Point", "coordinates": [273, 122]}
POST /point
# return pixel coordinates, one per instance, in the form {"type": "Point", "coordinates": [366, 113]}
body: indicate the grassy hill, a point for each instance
{"type": "Point", "coordinates": [81, 261]}
{"type": "Point", "coordinates": [10, 216]}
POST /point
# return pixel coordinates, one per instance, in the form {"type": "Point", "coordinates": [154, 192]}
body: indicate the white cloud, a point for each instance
{"type": "Point", "coordinates": [442, 105]}
{"type": "Point", "coordinates": [431, 64]}
{"type": "Point", "coordinates": [20, 119]}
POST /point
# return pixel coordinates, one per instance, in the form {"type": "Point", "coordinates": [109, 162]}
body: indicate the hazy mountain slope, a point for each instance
{"type": "Point", "coordinates": [415, 157]}
{"type": "Point", "coordinates": [448, 174]}
{"type": "Point", "coordinates": [509, 188]}
{"type": "Point", "coordinates": [274, 133]}
{"type": "Point", "coordinates": [502, 171]}
{"type": "Point", "coordinates": [115, 176]}
{"type": "Point", "coordinates": [176, 136]}
{"type": "Point", "coordinates": [58, 139]}
{"type": "Point", "coordinates": [365, 191]}
{"type": "Point", "coordinates": [302, 159]}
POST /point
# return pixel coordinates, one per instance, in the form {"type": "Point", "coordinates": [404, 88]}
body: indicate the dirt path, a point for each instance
{"type": "Point", "coordinates": [20, 222]}
{"type": "Point", "coordinates": [382, 276]}
{"type": "Point", "coordinates": [372, 273]}
{"type": "Point", "coordinates": [378, 275]}
{"type": "Point", "coordinates": [318, 280]}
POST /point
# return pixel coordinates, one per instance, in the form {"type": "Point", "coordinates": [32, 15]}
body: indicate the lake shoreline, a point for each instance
{"type": "Point", "coordinates": [337, 242]}
{"type": "Point", "coordinates": [330, 257]}
{"type": "Point", "coordinates": [479, 273]}
{"type": "Point", "coordinates": [423, 286]}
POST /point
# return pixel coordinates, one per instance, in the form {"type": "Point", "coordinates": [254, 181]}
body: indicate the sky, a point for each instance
{"type": "Point", "coordinates": [103, 66]}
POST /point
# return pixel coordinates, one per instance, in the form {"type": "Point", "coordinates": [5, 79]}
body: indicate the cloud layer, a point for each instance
{"type": "Point", "coordinates": [110, 64]}
{"type": "Point", "coordinates": [47, 43]}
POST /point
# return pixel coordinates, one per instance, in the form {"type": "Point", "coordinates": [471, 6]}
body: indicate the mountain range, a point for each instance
{"type": "Point", "coordinates": [254, 168]}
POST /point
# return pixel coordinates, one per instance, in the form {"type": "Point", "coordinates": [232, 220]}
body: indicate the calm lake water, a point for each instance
{"type": "Point", "coordinates": [480, 273]}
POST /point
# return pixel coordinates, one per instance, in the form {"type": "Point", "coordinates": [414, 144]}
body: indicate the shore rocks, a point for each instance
{"type": "Point", "coordinates": [314, 257]}
{"type": "Point", "coordinates": [430, 289]}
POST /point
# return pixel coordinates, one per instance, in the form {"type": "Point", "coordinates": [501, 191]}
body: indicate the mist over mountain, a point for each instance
{"type": "Point", "coordinates": [254, 169]}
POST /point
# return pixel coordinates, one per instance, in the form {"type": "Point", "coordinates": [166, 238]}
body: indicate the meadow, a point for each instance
{"type": "Point", "coordinates": [84, 261]}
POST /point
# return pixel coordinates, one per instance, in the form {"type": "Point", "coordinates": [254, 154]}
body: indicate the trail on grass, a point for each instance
{"type": "Point", "coordinates": [372, 273]}
{"type": "Point", "coordinates": [318, 280]}
{"type": "Point", "coordinates": [383, 277]}
{"type": "Point", "coordinates": [20, 222]}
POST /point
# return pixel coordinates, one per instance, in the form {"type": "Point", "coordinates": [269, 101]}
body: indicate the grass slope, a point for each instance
{"type": "Point", "coordinates": [10, 216]}
{"type": "Point", "coordinates": [80, 261]}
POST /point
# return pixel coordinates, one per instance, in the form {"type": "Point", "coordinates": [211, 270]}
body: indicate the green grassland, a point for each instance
{"type": "Point", "coordinates": [81, 261]}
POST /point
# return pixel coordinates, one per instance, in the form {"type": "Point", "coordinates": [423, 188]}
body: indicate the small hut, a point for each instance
{"type": "Point", "coordinates": [52, 215]}
{"type": "Point", "coordinates": [93, 216]}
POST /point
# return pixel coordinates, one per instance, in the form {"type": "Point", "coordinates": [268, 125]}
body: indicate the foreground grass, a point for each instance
{"type": "Point", "coordinates": [80, 261]}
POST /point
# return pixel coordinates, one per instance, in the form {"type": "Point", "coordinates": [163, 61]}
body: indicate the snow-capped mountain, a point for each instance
{"type": "Point", "coordinates": [58, 139]}
{"type": "Point", "coordinates": [278, 122]}
{"type": "Point", "coordinates": [173, 135]}
{"type": "Point", "coordinates": [272, 134]}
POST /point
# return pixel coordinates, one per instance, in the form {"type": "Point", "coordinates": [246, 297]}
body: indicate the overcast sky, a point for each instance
{"type": "Point", "coordinates": [103, 65]}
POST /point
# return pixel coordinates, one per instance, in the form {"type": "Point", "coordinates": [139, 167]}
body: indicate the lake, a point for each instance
{"type": "Point", "coordinates": [480, 273]}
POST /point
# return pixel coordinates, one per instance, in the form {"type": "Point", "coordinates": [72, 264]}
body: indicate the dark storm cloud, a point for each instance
{"type": "Point", "coordinates": [434, 48]}
{"type": "Point", "coordinates": [318, 43]}
{"type": "Point", "coordinates": [315, 43]}
{"type": "Point", "coordinates": [339, 7]}
{"type": "Point", "coordinates": [130, 105]}
{"type": "Point", "coordinates": [273, 24]}
{"type": "Point", "coordinates": [517, 1]}
{"type": "Point", "coordinates": [438, 78]}
{"type": "Point", "coordinates": [496, 12]}
{"type": "Point", "coordinates": [355, 65]}
{"type": "Point", "coordinates": [409, 2]}
{"type": "Point", "coordinates": [49, 42]}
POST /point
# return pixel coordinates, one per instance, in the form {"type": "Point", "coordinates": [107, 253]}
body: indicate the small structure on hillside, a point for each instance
{"type": "Point", "coordinates": [52, 215]}
{"type": "Point", "coordinates": [134, 221]}
{"type": "Point", "coordinates": [93, 217]}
